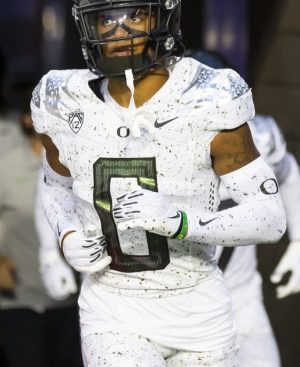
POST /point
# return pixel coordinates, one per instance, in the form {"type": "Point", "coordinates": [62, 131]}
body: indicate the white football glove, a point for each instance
{"type": "Point", "coordinates": [57, 276]}
{"type": "Point", "coordinates": [148, 210]}
{"type": "Point", "coordinates": [84, 253]}
{"type": "Point", "coordinates": [290, 261]}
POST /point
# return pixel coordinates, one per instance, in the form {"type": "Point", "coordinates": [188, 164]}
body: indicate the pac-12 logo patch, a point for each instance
{"type": "Point", "coordinates": [76, 120]}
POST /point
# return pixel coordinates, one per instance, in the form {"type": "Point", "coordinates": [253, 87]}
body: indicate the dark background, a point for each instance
{"type": "Point", "coordinates": [261, 40]}
{"type": "Point", "coordinates": [38, 35]}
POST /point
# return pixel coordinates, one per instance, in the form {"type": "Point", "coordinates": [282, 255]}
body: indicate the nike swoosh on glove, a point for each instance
{"type": "Point", "coordinates": [148, 210]}
{"type": "Point", "coordinates": [86, 254]}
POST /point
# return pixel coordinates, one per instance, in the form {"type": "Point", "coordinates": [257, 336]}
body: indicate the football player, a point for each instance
{"type": "Point", "coordinates": [136, 147]}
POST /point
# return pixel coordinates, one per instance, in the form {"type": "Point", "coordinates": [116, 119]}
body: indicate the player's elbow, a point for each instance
{"type": "Point", "coordinates": [275, 224]}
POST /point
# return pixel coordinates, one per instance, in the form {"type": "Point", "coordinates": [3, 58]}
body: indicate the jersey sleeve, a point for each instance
{"type": "Point", "coordinates": [234, 102]}
{"type": "Point", "coordinates": [222, 99]}
{"type": "Point", "coordinates": [52, 103]}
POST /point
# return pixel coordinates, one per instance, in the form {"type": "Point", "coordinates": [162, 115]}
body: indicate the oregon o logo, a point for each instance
{"type": "Point", "coordinates": [123, 132]}
{"type": "Point", "coordinates": [269, 186]}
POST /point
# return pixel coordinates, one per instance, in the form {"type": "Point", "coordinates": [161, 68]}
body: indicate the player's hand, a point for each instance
{"type": "Point", "coordinates": [148, 210]}
{"type": "Point", "coordinates": [290, 261]}
{"type": "Point", "coordinates": [58, 277]}
{"type": "Point", "coordinates": [85, 254]}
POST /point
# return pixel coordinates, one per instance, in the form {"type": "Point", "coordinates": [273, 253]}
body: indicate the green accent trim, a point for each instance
{"type": "Point", "coordinates": [144, 171]}
{"type": "Point", "coordinates": [184, 226]}
{"type": "Point", "coordinates": [147, 181]}
{"type": "Point", "coordinates": [103, 204]}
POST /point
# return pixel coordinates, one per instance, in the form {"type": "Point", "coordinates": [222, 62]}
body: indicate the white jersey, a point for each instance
{"type": "Point", "coordinates": [241, 275]}
{"type": "Point", "coordinates": [105, 160]}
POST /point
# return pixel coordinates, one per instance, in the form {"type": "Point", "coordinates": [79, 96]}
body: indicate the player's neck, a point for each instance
{"type": "Point", "coordinates": [144, 87]}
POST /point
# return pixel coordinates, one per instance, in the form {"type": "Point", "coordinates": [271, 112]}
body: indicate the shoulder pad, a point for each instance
{"type": "Point", "coordinates": [217, 84]}
{"type": "Point", "coordinates": [55, 96]}
{"type": "Point", "coordinates": [37, 111]}
{"type": "Point", "coordinates": [56, 82]}
{"type": "Point", "coordinates": [36, 97]}
{"type": "Point", "coordinates": [220, 98]}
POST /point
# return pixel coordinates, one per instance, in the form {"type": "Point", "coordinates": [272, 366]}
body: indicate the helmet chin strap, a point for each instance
{"type": "Point", "coordinates": [140, 119]}
{"type": "Point", "coordinates": [130, 85]}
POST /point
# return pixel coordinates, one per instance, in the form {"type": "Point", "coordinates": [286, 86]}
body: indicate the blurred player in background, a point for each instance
{"type": "Point", "coordinates": [257, 342]}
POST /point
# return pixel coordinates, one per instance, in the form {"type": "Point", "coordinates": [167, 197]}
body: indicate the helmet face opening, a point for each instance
{"type": "Point", "coordinates": [120, 35]}
{"type": "Point", "coordinates": [120, 23]}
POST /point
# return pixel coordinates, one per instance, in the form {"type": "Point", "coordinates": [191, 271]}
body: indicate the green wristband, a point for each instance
{"type": "Point", "coordinates": [184, 226]}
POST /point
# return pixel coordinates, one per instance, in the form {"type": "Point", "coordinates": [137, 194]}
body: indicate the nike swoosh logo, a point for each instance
{"type": "Point", "coordinates": [205, 223]}
{"type": "Point", "coordinates": [160, 124]}
{"type": "Point", "coordinates": [175, 216]}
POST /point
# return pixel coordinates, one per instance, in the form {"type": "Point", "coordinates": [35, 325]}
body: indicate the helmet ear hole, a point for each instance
{"type": "Point", "coordinates": [114, 29]}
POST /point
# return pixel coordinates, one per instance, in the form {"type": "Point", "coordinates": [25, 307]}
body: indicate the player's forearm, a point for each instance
{"type": "Point", "coordinates": [290, 193]}
{"type": "Point", "coordinates": [258, 218]}
{"type": "Point", "coordinates": [47, 238]}
{"type": "Point", "coordinates": [245, 224]}
{"type": "Point", "coordinates": [58, 201]}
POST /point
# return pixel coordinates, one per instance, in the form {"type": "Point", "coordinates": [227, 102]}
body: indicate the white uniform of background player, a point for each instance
{"type": "Point", "coordinates": [149, 310]}
{"type": "Point", "coordinates": [256, 339]}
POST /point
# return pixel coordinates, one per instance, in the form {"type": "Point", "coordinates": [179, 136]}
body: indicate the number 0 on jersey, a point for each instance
{"type": "Point", "coordinates": [144, 170]}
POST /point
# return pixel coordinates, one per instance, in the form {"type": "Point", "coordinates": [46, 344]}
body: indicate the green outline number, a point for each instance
{"type": "Point", "coordinates": [144, 170]}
